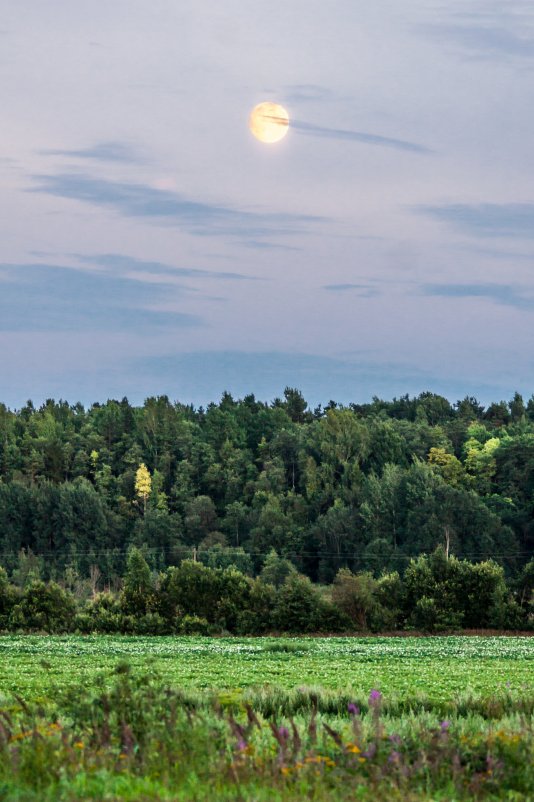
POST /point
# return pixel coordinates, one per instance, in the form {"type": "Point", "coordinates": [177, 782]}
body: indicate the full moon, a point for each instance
{"type": "Point", "coordinates": [269, 122]}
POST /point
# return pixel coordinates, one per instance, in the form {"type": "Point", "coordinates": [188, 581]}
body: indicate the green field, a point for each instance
{"type": "Point", "coordinates": [111, 719]}
{"type": "Point", "coordinates": [439, 668]}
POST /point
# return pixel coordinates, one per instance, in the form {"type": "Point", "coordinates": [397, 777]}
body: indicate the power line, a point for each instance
{"type": "Point", "coordinates": [228, 550]}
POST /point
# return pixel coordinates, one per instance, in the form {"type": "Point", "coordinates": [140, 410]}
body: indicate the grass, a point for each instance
{"type": "Point", "coordinates": [159, 719]}
{"type": "Point", "coordinates": [133, 737]}
{"type": "Point", "coordinates": [438, 669]}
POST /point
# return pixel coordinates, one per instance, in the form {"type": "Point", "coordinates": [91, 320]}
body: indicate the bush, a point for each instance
{"type": "Point", "coordinates": [354, 595]}
{"type": "Point", "coordinates": [8, 599]}
{"type": "Point", "coordinates": [298, 606]}
{"type": "Point", "coordinates": [44, 607]}
{"type": "Point", "coordinates": [257, 618]}
{"type": "Point", "coordinates": [105, 613]}
{"type": "Point", "coordinates": [138, 596]}
{"type": "Point", "coordinates": [193, 625]}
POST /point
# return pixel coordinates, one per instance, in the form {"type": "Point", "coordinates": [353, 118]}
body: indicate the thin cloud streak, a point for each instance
{"type": "Point", "coordinates": [49, 297]}
{"type": "Point", "coordinates": [359, 136]}
{"type": "Point", "coordinates": [364, 290]}
{"type": "Point", "coordinates": [486, 219]}
{"type": "Point", "coordinates": [488, 30]}
{"type": "Point", "coordinates": [503, 294]}
{"type": "Point", "coordinates": [120, 262]}
{"type": "Point", "coordinates": [164, 207]}
{"type": "Point", "coordinates": [103, 151]}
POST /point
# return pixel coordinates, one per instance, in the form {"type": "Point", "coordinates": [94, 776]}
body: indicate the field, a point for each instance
{"type": "Point", "coordinates": [113, 718]}
{"type": "Point", "coordinates": [439, 668]}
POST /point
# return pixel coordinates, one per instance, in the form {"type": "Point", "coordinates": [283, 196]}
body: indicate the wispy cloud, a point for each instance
{"type": "Point", "coordinates": [364, 290]}
{"type": "Point", "coordinates": [120, 264]}
{"type": "Point", "coordinates": [494, 30]}
{"type": "Point", "coordinates": [202, 376]}
{"type": "Point", "coordinates": [503, 294]}
{"type": "Point", "coordinates": [307, 93]}
{"type": "Point", "coordinates": [49, 297]}
{"type": "Point", "coordinates": [358, 136]}
{"type": "Point", "coordinates": [164, 207]}
{"type": "Point", "coordinates": [486, 219]}
{"type": "Point", "coordinates": [103, 151]}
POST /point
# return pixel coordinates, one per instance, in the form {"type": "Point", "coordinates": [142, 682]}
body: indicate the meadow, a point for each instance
{"type": "Point", "coordinates": [148, 719]}
{"type": "Point", "coordinates": [438, 668]}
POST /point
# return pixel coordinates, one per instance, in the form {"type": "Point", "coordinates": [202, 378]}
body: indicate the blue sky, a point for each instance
{"type": "Point", "coordinates": [150, 245]}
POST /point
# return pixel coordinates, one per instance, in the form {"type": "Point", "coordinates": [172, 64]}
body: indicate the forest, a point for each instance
{"type": "Point", "coordinates": [278, 494]}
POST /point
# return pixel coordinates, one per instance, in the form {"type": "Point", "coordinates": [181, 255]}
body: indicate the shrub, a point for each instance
{"type": "Point", "coordinates": [298, 606]}
{"type": "Point", "coordinates": [8, 598]}
{"type": "Point", "coordinates": [138, 596]}
{"type": "Point", "coordinates": [45, 607]}
{"type": "Point", "coordinates": [193, 625]}
{"type": "Point", "coordinates": [257, 617]}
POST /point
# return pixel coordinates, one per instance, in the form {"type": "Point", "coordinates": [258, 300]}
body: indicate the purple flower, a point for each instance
{"type": "Point", "coordinates": [371, 752]}
{"type": "Point", "coordinates": [241, 745]}
{"type": "Point", "coordinates": [394, 757]}
{"type": "Point", "coordinates": [444, 726]}
{"type": "Point", "coordinates": [375, 697]}
{"type": "Point", "coordinates": [395, 739]}
{"type": "Point", "coordinates": [283, 732]}
{"type": "Point", "coordinates": [353, 709]}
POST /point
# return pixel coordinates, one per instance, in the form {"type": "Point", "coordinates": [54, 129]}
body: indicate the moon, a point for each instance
{"type": "Point", "coordinates": [269, 122]}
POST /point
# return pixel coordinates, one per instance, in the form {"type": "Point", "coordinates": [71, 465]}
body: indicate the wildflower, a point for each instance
{"type": "Point", "coordinates": [241, 745]}
{"type": "Point", "coordinates": [394, 757]}
{"type": "Point", "coordinates": [283, 732]}
{"type": "Point", "coordinates": [353, 749]}
{"type": "Point", "coordinates": [353, 709]}
{"type": "Point", "coordinates": [444, 726]}
{"type": "Point", "coordinates": [78, 744]}
{"type": "Point", "coordinates": [375, 697]}
{"type": "Point", "coordinates": [371, 752]}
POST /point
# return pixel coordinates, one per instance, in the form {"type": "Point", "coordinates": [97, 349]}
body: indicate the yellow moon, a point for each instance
{"type": "Point", "coordinates": [269, 122]}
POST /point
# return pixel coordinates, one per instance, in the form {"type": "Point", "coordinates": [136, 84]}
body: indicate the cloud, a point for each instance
{"type": "Point", "coordinates": [48, 297]}
{"type": "Point", "coordinates": [486, 219]}
{"type": "Point", "coordinates": [306, 93]}
{"type": "Point", "coordinates": [358, 136]}
{"type": "Point", "coordinates": [104, 151]}
{"type": "Point", "coordinates": [164, 207]}
{"type": "Point", "coordinates": [201, 377]}
{"type": "Point", "coordinates": [120, 263]}
{"type": "Point", "coordinates": [489, 30]}
{"type": "Point", "coordinates": [496, 253]}
{"type": "Point", "coordinates": [503, 294]}
{"type": "Point", "coordinates": [364, 290]}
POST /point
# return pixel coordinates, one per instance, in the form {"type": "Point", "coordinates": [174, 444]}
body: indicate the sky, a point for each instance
{"type": "Point", "coordinates": [149, 244]}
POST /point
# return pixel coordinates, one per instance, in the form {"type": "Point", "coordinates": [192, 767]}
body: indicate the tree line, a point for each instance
{"type": "Point", "coordinates": [365, 487]}
{"type": "Point", "coordinates": [435, 593]}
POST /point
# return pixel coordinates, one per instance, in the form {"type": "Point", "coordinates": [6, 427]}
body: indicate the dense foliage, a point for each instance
{"type": "Point", "coordinates": [436, 593]}
{"type": "Point", "coordinates": [137, 738]}
{"type": "Point", "coordinates": [279, 491]}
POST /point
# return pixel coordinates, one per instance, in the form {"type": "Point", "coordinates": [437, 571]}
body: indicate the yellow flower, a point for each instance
{"type": "Point", "coordinates": [78, 745]}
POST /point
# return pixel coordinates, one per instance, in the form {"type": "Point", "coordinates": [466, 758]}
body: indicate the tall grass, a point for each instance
{"type": "Point", "coordinates": [135, 738]}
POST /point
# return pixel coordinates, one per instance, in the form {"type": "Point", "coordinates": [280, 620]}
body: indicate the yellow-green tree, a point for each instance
{"type": "Point", "coordinates": [143, 484]}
